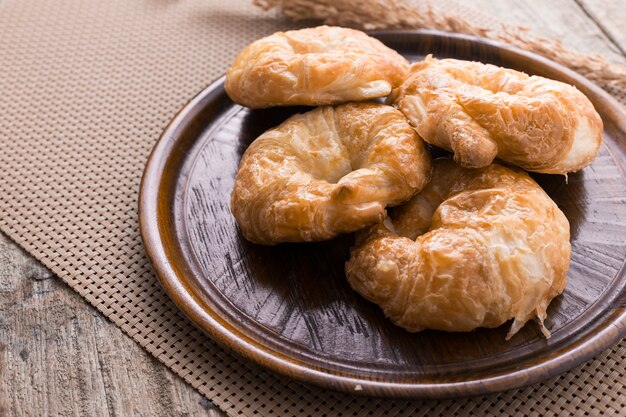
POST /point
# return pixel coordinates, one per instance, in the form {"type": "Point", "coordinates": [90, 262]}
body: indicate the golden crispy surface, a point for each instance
{"type": "Point", "coordinates": [315, 66]}
{"type": "Point", "coordinates": [480, 111]}
{"type": "Point", "coordinates": [475, 248]}
{"type": "Point", "coordinates": [328, 171]}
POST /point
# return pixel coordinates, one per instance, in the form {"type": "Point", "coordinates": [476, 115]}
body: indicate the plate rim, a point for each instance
{"type": "Point", "coordinates": [252, 350]}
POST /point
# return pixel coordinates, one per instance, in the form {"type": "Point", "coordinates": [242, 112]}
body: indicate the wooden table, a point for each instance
{"type": "Point", "coordinates": [59, 356]}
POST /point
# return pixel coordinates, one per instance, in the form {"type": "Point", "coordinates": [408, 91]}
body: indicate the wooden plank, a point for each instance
{"type": "Point", "coordinates": [610, 15]}
{"type": "Point", "coordinates": [555, 19]}
{"type": "Point", "coordinates": [59, 356]}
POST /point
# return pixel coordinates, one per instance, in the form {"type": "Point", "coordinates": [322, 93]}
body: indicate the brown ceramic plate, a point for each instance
{"type": "Point", "coordinates": [290, 307]}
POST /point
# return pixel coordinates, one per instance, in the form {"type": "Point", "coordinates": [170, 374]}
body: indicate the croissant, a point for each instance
{"type": "Point", "coordinates": [480, 111]}
{"type": "Point", "coordinates": [328, 171]}
{"type": "Point", "coordinates": [315, 66]}
{"type": "Point", "coordinates": [475, 248]}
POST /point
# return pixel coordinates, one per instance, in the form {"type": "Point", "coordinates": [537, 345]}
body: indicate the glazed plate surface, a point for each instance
{"type": "Point", "coordinates": [290, 307]}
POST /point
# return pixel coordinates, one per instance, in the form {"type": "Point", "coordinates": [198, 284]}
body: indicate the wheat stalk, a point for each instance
{"type": "Point", "coordinates": [397, 14]}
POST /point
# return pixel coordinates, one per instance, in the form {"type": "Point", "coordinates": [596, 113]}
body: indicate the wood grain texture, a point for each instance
{"type": "Point", "coordinates": [60, 358]}
{"type": "Point", "coordinates": [539, 15]}
{"type": "Point", "coordinates": [610, 16]}
{"type": "Point", "coordinates": [289, 307]}
{"type": "Point", "coordinates": [564, 20]}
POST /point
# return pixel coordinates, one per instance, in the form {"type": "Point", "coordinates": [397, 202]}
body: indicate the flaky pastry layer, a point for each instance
{"type": "Point", "coordinates": [475, 248]}
{"type": "Point", "coordinates": [481, 111]}
{"type": "Point", "coordinates": [328, 171]}
{"type": "Point", "coordinates": [314, 66]}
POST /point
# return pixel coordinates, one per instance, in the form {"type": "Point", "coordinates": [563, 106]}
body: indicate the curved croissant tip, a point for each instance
{"type": "Point", "coordinates": [543, 328]}
{"type": "Point", "coordinates": [518, 324]}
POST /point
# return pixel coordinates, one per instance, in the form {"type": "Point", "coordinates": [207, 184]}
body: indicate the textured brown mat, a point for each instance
{"type": "Point", "coordinates": [86, 87]}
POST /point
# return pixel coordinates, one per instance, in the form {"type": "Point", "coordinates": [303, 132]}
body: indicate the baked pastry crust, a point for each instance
{"type": "Point", "coordinates": [475, 248]}
{"type": "Point", "coordinates": [480, 111]}
{"type": "Point", "coordinates": [314, 66]}
{"type": "Point", "coordinates": [328, 171]}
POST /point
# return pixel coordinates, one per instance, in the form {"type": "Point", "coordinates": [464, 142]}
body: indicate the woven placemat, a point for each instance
{"type": "Point", "coordinates": [86, 88]}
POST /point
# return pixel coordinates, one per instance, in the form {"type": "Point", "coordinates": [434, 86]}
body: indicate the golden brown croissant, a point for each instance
{"type": "Point", "coordinates": [480, 111]}
{"type": "Point", "coordinates": [475, 248]}
{"type": "Point", "coordinates": [328, 171]}
{"type": "Point", "coordinates": [315, 66]}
